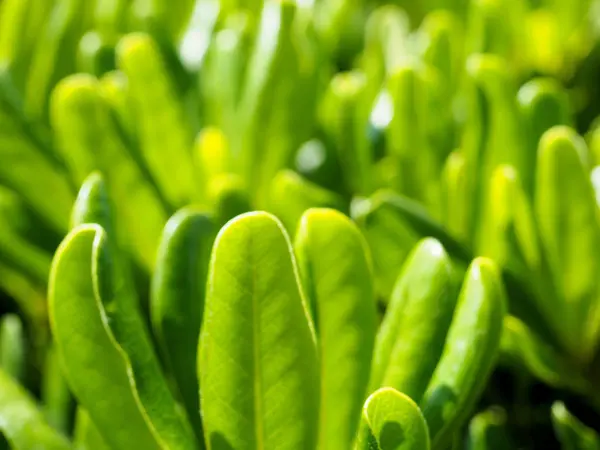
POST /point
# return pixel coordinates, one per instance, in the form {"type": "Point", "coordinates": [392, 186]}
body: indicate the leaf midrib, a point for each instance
{"type": "Point", "coordinates": [258, 407]}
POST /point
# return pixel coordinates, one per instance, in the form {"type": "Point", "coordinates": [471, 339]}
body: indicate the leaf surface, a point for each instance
{"type": "Point", "coordinates": [335, 267]}
{"type": "Point", "coordinates": [258, 360]}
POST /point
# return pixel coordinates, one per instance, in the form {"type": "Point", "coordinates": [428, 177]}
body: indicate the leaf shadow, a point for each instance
{"type": "Point", "coordinates": [219, 442]}
{"type": "Point", "coordinates": [391, 436]}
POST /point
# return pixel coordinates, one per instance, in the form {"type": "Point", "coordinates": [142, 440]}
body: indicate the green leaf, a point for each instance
{"type": "Point", "coordinates": [469, 353]}
{"type": "Point", "coordinates": [258, 364]}
{"type": "Point", "coordinates": [412, 334]}
{"type": "Point", "coordinates": [268, 80]}
{"type": "Point", "coordinates": [291, 195]}
{"type": "Point", "coordinates": [567, 216]}
{"type": "Point", "coordinates": [97, 371]}
{"type": "Point", "coordinates": [166, 142]}
{"type": "Point", "coordinates": [177, 300]}
{"type": "Point", "coordinates": [20, 21]}
{"type": "Point", "coordinates": [409, 86]}
{"type": "Point", "coordinates": [441, 44]}
{"type": "Point", "coordinates": [496, 133]}
{"type": "Point", "coordinates": [454, 197]}
{"type": "Point", "coordinates": [508, 231]}
{"type": "Point", "coordinates": [84, 128]}
{"type": "Point", "coordinates": [114, 88]}
{"type": "Point", "coordinates": [223, 74]}
{"type": "Point", "coordinates": [335, 267]}
{"type": "Point", "coordinates": [488, 431]}
{"type": "Point", "coordinates": [496, 27]}
{"type": "Point", "coordinates": [572, 434]}
{"type": "Point", "coordinates": [12, 346]}
{"type": "Point", "coordinates": [110, 15]}
{"type": "Point", "coordinates": [392, 421]}
{"type": "Point", "coordinates": [21, 423]}
{"type": "Point", "coordinates": [544, 104]}
{"type": "Point", "coordinates": [386, 43]}
{"type": "Point", "coordinates": [344, 114]}
{"type": "Point", "coordinates": [55, 51]}
{"type": "Point", "coordinates": [115, 290]}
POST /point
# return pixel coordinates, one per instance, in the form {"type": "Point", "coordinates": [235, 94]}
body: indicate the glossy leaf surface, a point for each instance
{"type": "Point", "coordinates": [413, 332]}
{"type": "Point", "coordinates": [335, 267]}
{"type": "Point", "coordinates": [258, 360]}
{"type": "Point", "coordinates": [469, 353]}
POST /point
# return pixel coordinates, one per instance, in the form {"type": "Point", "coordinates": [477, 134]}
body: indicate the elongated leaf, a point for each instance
{"type": "Point", "coordinates": [223, 75]}
{"type": "Point", "coordinates": [567, 215]}
{"type": "Point", "coordinates": [496, 133]}
{"type": "Point", "coordinates": [496, 27]}
{"type": "Point", "coordinates": [407, 138]}
{"type": "Point", "coordinates": [413, 332]}
{"type": "Point", "coordinates": [21, 423]}
{"type": "Point", "coordinates": [392, 421]}
{"type": "Point", "coordinates": [509, 234]}
{"type": "Point", "coordinates": [114, 288]}
{"type": "Point", "coordinates": [97, 371]}
{"type": "Point", "coordinates": [543, 104]}
{"type": "Point", "coordinates": [469, 353]}
{"type": "Point", "coordinates": [12, 346]}
{"type": "Point", "coordinates": [84, 128]}
{"type": "Point", "coordinates": [114, 88]}
{"type": "Point", "coordinates": [18, 19]}
{"type": "Point", "coordinates": [410, 218]}
{"type": "Point", "coordinates": [345, 114]}
{"type": "Point", "coordinates": [454, 197]}
{"type": "Point", "coordinates": [165, 141]}
{"type": "Point", "coordinates": [258, 361]}
{"type": "Point", "coordinates": [272, 52]}
{"type": "Point", "coordinates": [177, 300]}
{"type": "Point", "coordinates": [441, 43]}
{"type": "Point", "coordinates": [336, 269]}
{"type": "Point", "coordinates": [55, 52]}
{"type": "Point", "coordinates": [572, 434]}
